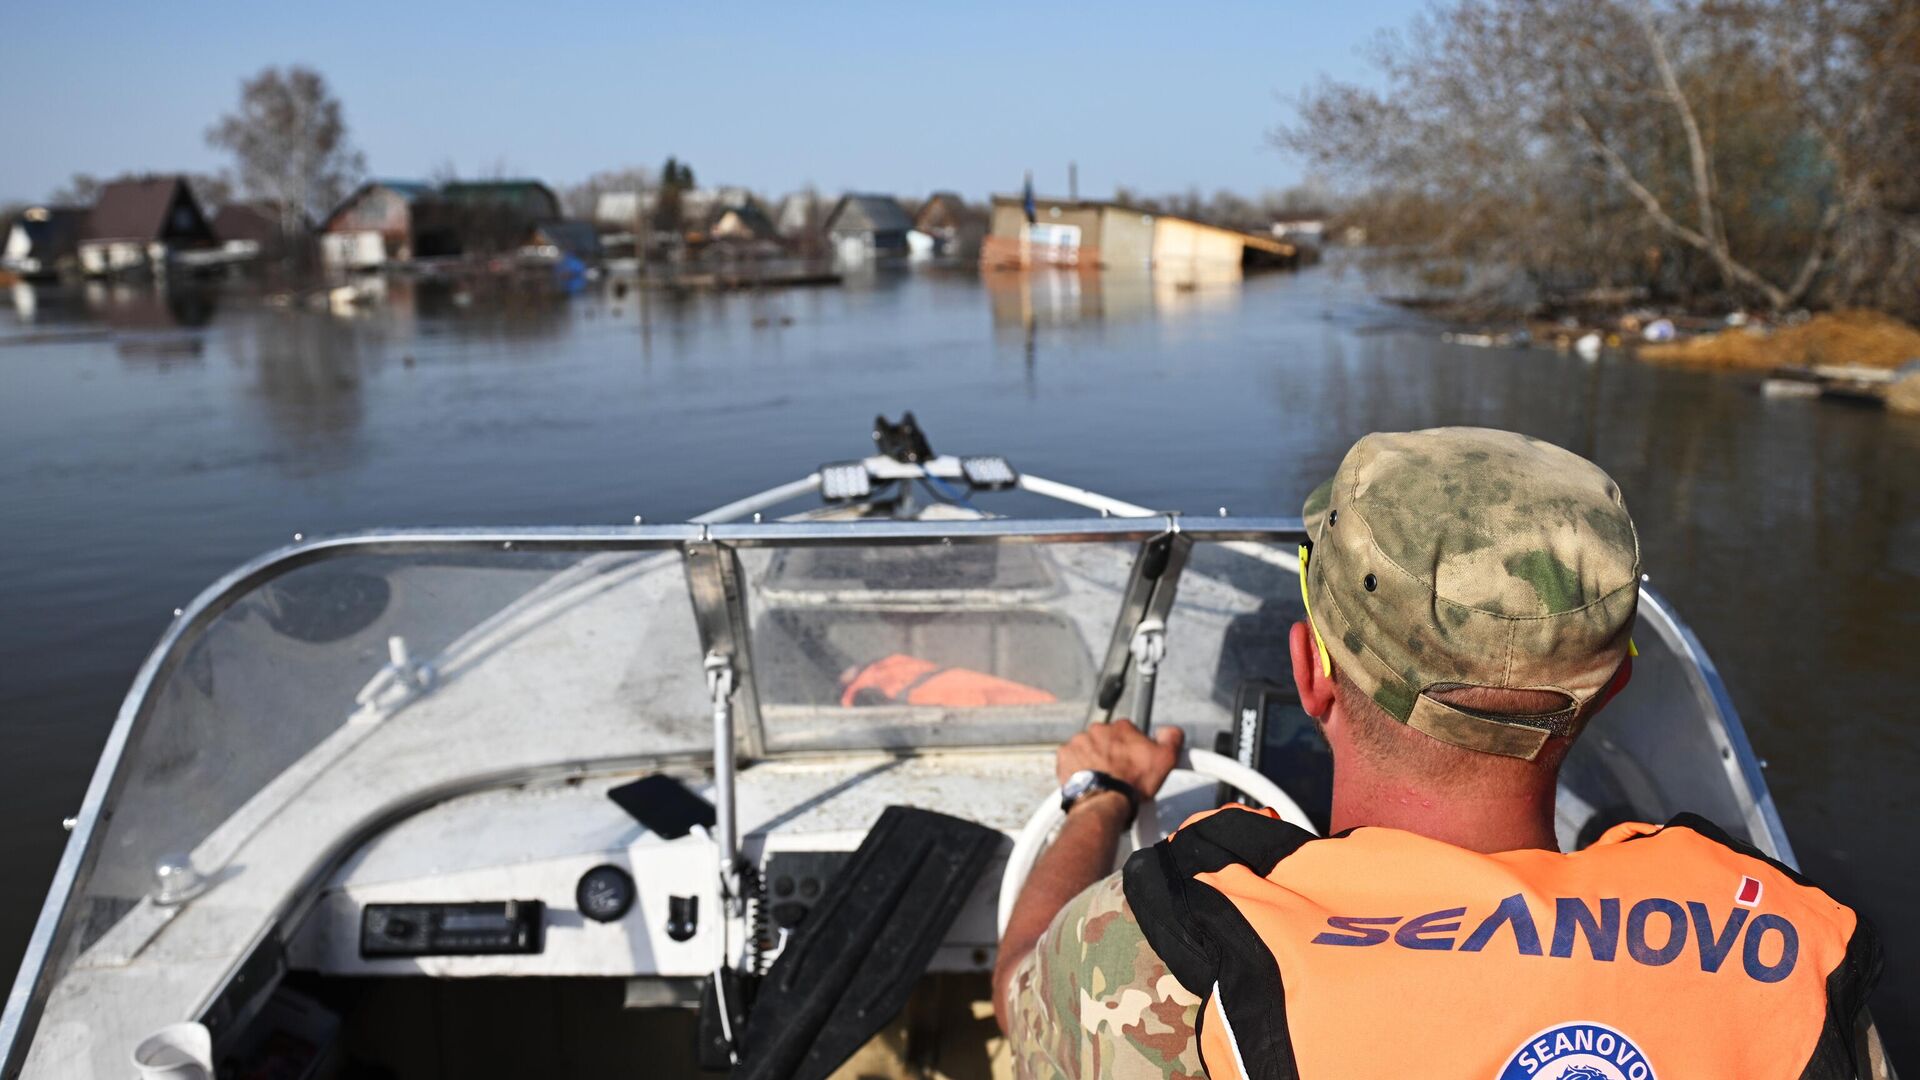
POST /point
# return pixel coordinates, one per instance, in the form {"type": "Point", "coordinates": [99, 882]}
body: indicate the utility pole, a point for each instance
{"type": "Point", "coordinates": [640, 230]}
{"type": "Point", "coordinates": [1073, 181]}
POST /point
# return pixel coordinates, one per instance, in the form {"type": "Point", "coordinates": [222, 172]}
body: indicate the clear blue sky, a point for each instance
{"type": "Point", "coordinates": [885, 97]}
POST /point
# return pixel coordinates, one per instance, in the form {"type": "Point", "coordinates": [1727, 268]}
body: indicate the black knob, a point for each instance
{"type": "Point", "coordinates": [683, 917]}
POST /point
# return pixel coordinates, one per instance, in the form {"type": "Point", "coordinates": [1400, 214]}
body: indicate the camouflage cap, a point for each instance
{"type": "Point", "coordinates": [1471, 557]}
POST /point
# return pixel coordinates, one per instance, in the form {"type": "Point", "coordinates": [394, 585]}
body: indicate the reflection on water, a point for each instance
{"type": "Point", "coordinates": [307, 374]}
{"type": "Point", "coordinates": [133, 307]}
{"type": "Point", "coordinates": [150, 439]}
{"type": "Point", "coordinates": [1058, 297]}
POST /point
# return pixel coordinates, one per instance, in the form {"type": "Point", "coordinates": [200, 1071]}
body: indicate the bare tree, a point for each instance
{"type": "Point", "coordinates": [1746, 151]}
{"type": "Point", "coordinates": [211, 190]}
{"type": "Point", "coordinates": [1139, 200]}
{"type": "Point", "coordinates": [448, 172]}
{"type": "Point", "coordinates": [1854, 70]}
{"type": "Point", "coordinates": [1708, 232]}
{"type": "Point", "coordinates": [289, 139]}
{"type": "Point", "coordinates": [809, 234]}
{"type": "Point", "coordinates": [81, 189]}
{"type": "Point", "coordinates": [1229, 208]}
{"type": "Point", "coordinates": [583, 198]}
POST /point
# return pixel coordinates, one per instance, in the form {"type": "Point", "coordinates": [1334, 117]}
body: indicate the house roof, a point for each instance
{"type": "Point", "coordinates": [796, 209]}
{"type": "Point", "coordinates": [256, 221]}
{"type": "Point", "coordinates": [617, 207]}
{"type": "Point", "coordinates": [51, 231]}
{"type": "Point", "coordinates": [53, 215]}
{"type": "Point", "coordinates": [751, 216]}
{"type": "Point", "coordinates": [868, 213]}
{"type": "Point", "coordinates": [946, 205]}
{"type": "Point", "coordinates": [139, 209]}
{"type": "Point", "coordinates": [409, 191]}
{"type": "Point", "coordinates": [530, 197]}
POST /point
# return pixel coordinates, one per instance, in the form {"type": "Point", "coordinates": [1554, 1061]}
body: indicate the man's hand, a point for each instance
{"type": "Point", "coordinates": [1122, 752]}
{"type": "Point", "coordinates": [1082, 852]}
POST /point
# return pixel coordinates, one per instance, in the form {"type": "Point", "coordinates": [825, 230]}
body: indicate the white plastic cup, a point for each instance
{"type": "Point", "coordinates": [176, 1052]}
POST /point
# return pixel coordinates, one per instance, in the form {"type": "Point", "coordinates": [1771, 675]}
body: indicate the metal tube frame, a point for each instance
{"type": "Point", "coordinates": [716, 588]}
{"type": "Point", "coordinates": [718, 592]}
{"type": "Point", "coordinates": [1149, 595]}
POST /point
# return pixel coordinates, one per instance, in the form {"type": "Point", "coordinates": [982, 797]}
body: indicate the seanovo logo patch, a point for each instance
{"type": "Point", "coordinates": [1577, 1051]}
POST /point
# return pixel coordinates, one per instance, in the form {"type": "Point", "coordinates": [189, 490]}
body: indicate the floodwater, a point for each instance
{"type": "Point", "coordinates": [148, 442]}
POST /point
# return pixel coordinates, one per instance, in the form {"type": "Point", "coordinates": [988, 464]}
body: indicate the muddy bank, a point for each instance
{"type": "Point", "coordinates": [1841, 338]}
{"type": "Point", "coordinates": [1858, 357]}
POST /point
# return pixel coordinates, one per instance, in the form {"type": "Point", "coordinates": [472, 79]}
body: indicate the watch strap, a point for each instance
{"type": "Point", "coordinates": [1100, 781]}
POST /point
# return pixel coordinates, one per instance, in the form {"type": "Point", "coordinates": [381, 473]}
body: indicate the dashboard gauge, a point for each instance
{"type": "Point", "coordinates": [605, 893]}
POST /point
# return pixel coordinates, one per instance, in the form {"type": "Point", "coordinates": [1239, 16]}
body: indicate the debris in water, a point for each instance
{"type": "Point", "coordinates": [1789, 388]}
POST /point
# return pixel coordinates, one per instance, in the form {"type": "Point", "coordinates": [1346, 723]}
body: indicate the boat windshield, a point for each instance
{"type": "Point", "coordinates": [353, 688]}
{"type": "Point", "coordinates": [358, 685]}
{"type": "Point", "coordinates": [924, 645]}
{"type": "Point", "coordinates": [357, 681]}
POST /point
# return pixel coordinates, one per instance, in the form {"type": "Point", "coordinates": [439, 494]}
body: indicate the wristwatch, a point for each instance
{"type": "Point", "coordinates": [1087, 781]}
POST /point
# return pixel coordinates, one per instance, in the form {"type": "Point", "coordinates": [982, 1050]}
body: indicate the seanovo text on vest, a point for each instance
{"type": "Point", "coordinates": [1654, 932]}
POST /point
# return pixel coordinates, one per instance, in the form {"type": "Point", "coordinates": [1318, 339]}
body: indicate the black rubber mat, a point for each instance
{"type": "Point", "coordinates": [851, 965]}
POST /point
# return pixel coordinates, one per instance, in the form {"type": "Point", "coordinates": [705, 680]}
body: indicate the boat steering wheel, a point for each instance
{"type": "Point", "coordinates": [1047, 817]}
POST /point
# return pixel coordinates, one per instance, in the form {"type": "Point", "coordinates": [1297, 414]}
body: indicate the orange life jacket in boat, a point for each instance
{"type": "Point", "coordinates": [900, 679]}
{"type": "Point", "coordinates": [1657, 953]}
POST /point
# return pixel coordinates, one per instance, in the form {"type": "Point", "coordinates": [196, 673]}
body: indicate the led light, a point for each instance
{"type": "Point", "coordinates": [990, 473]}
{"type": "Point", "coordinates": [844, 480]}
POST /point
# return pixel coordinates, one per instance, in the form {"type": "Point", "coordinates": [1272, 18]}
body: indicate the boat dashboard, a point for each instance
{"type": "Point", "coordinates": [605, 896]}
{"type": "Point", "coordinates": [560, 879]}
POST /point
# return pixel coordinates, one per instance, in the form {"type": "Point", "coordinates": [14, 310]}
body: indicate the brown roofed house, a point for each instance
{"type": "Point", "coordinates": [141, 224]}
{"type": "Point", "coordinates": [744, 222]}
{"type": "Point", "coordinates": [253, 229]}
{"type": "Point", "coordinates": [956, 227]}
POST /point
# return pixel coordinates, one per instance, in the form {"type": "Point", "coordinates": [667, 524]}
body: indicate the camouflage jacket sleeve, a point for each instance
{"type": "Point", "coordinates": [1092, 1000]}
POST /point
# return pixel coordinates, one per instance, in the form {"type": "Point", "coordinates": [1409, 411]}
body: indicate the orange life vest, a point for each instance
{"type": "Point", "coordinates": [908, 680]}
{"type": "Point", "coordinates": [1657, 953]}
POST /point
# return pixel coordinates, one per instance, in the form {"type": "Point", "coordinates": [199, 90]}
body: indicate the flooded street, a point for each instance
{"type": "Point", "coordinates": [148, 443]}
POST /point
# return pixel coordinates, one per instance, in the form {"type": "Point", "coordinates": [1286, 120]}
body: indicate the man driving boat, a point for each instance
{"type": "Point", "coordinates": [1469, 599]}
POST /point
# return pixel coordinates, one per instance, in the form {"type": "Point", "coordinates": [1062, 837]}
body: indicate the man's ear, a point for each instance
{"type": "Point", "coordinates": [1309, 674]}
